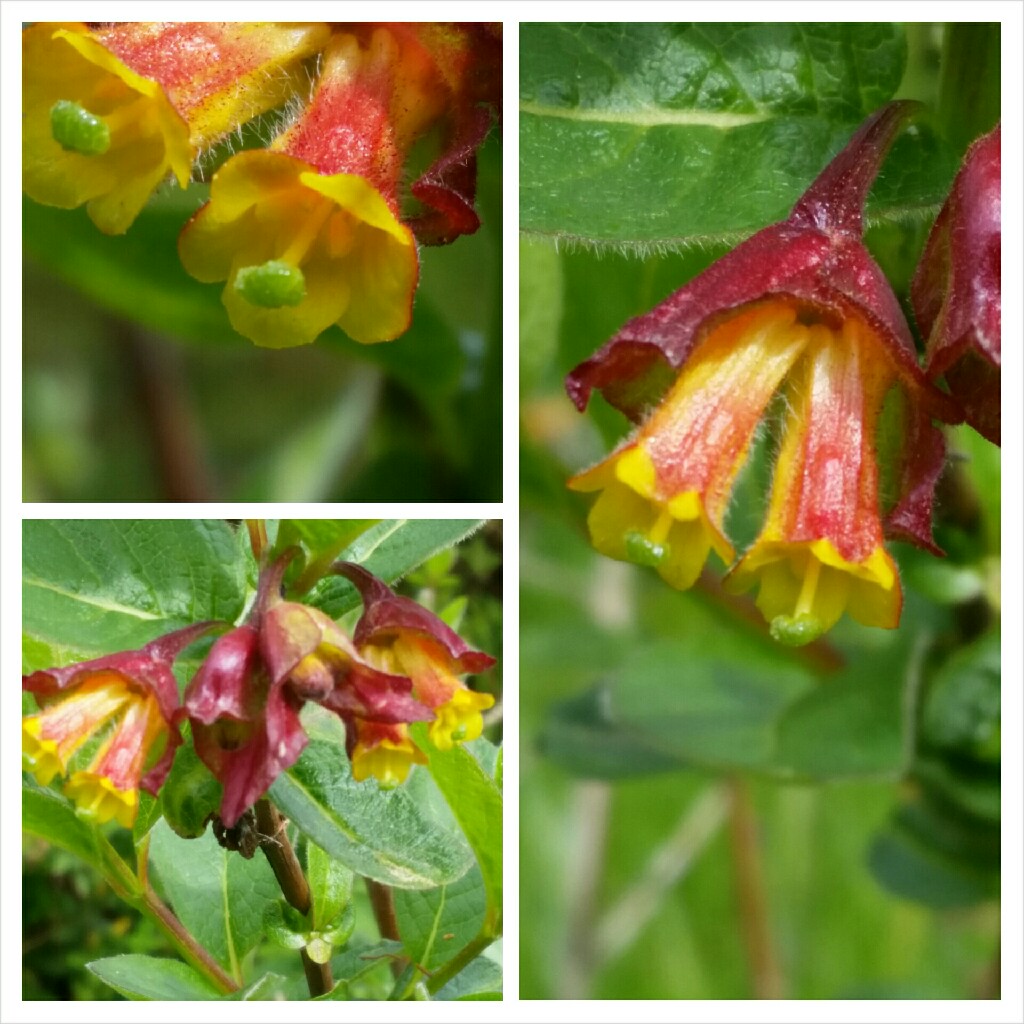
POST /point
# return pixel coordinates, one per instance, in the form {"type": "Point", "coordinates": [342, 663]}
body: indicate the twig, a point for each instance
{"type": "Point", "coordinates": [589, 831]}
{"type": "Point", "coordinates": [621, 925]}
{"type": "Point", "coordinates": [278, 850]}
{"type": "Point", "coordinates": [162, 395]}
{"type": "Point", "coordinates": [765, 973]}
{"type": "Point", "coordinates": [383, 902]}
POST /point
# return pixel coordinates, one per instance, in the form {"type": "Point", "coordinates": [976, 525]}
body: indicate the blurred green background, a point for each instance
{"type": "Point", "coordinates": [136, 388]}
{"type": "Point", "coordinates": [703, 813]}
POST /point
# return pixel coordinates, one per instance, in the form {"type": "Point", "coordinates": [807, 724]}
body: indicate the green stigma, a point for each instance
{"type": "Point", "coordinates": [271, 285]}
{"type": "Point", "coordinates": [78, 131]}
{"type": "Point", "coordinates": [641, 550]}
{"type": "Point", "coordinates": [795, 630]}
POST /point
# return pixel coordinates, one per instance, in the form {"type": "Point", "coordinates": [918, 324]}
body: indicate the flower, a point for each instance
{"type": "Point", "coordinates": [246, 730]}
{"type": "Point", "coordinates": [800, 304]}
{"type": "Point", "coordinates": [244, 701]}
{"type": "Point", "coordinates": [398, 635]}
{"type": "Point", "coordinates": [821, 549]}
{"type": "Point", "coordinates": [127, 701]}
{"type": "Point", "coordinates": [384, 752]}
{"type": "Point", "coordinates": [307, 234]}
{"type": "Point", "coordinates": [109, 111]}
{"type": "Point", "coordinates": [956, 290]}
{"type": "Point", "coordinates": [664, 493]}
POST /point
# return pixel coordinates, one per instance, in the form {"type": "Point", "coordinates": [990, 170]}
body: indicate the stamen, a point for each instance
{"type": "Point", "coordinates": [805, 601]}
{"type": "Point", "coordinates": [306, 236]}
{"type": "Point", "coordinates": [801, 627]}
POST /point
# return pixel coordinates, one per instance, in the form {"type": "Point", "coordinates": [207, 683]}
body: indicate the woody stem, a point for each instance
{"type": "Point", "coordinates": [278, 850]}
{"type": "Point", "coordinates": [383, 902]}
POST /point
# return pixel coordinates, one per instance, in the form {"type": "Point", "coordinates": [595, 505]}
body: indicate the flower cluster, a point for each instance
{"type": "Point", "coordinates": [307, 231]}
{"type": "Point", "coordinates": [800, 309]}
{"type": "Point", "coordinates": [402, 666]}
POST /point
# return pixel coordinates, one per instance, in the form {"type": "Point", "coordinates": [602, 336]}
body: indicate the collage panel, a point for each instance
{"type": "Point", "coordinates": [262, 759]}
{"type": "Point", "coordinates": [760, 379]}
{"type": "Point", "coordinates": [262, 261]}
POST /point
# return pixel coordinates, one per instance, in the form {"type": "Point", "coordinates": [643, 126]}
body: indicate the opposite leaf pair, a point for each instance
{"type": "Point", "coordinates": [306, 232]}
{"type": "Point", "coordinates": [803, 307]}
{"type": "Point", "coordinates": [401, 666]}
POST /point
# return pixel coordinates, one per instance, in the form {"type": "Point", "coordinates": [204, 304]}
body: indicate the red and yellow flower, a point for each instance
{"type": "Point", "coordinates": [109, 111]}
{"type": "Point", "coordinates": [308, 232]}
{"type": "Point", "coordinates": [127, 702]}
{"type": "Point", "coordinates": [400, 636]}
{"type": "Point", "coordinates": [821, 550]}
{"type": "Point", "coordinates": [801, 305]}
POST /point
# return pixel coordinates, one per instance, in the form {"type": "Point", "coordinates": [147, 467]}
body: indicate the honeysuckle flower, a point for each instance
{"type": "Point", "coordinates": [245, 729]}
{"type": "Point", "coordinates": [307, 233]}
{"type": "Point", "coordinates": [244, 701]}
{"type": "Point", "coordinates": [383, 752]}
{"type": "Point", "coordinates": [665, 492]}
{"type": "Point", "coordinates": [129, 701]}
{"type": "Point", "coordinates": [821, 550]}
{"type": "Point", "coordinates": [398, 635]}
{"type": "Point", "coordinates": [110, 110]}
{"type": "Point", "coordinates": [801, 301]}
{"type": "Point", "coordinates": [956, 290]}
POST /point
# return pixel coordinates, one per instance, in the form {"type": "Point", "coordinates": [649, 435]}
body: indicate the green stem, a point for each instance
{"type": "Point", "coordinates": [196, 955]}
{"type": "Point", "coordinates": [135, 889]}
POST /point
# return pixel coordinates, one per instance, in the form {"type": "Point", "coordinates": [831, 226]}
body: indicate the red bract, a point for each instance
{"type": "Point", "coordinates": [310, 652]}
{"type": "Point", "coordinates": [245, 727]}
{"type": "Point", "coordinates": [956, 291]}
{"type": "Point", "coordinates": [133, 695]}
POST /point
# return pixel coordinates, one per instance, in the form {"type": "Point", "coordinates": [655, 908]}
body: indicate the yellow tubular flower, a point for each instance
{"type": "Point", "coordinates": [821, 550]}
{"type": "Point", "coordinates": [384, 752]}
{"type": "Point", "coordinates": [665, 493]}
{"type": "Point", "coordinates": [145, 136]}
{"type": "Point", "coordinates": [301, 251]}
{"type": "Point", "coordinates": [108, 113]}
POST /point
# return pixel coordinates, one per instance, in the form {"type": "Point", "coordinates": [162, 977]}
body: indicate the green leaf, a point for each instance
{"type": "Point", "coordinates": [330, 885]}
{"type": "Point", "coordinates": [436, 923]}
{"type": "Point", "coordinates": [389, 550]}
{"type": "Point", "coordinates": [138, 274]}
{"type": "Point", "coordinates": [270, 986]}
{"type": "Point", "coordinates": [711, 709]}
{"type": "Point", "coordinates": [321, 539]}
{"type": "Point", "coordinates": [481, 980]}
{"type": "Point", "coordinates": [962, 710]}
{"type": "Point", "coordinates": [476, 802]}
{"type": "Point", "coordinates": [579, 736]}
{"type": "Point", "coordinates": [97, 586]}
{"type": "Point", "coordinates": [656, 136]}
{"type": "Point", "coordinates": [714, 704]}
{"type": "Point", "coordinates": [360, 958]}
{"type": "Point", "coordinates": [52, 817]}
{"type": "Point", "coordinates": [218, 895]}
{"type": "Point", "coordinates": [383, 835]}
{"type": "Point", "coordinates": [933, 858]}
{"type": "Point", "coordinates": [149, 977]}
